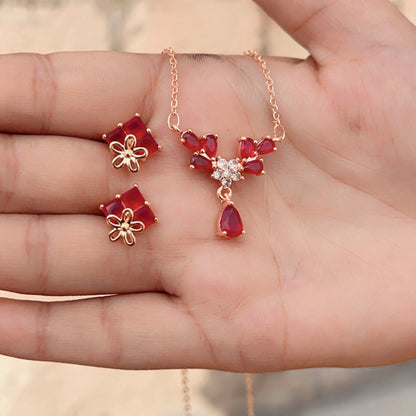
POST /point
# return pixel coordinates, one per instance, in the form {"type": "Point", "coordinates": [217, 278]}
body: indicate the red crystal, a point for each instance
{"type": "Point", "coordinates": [230, 224]}
{"type": "Point", "coordinates": [209, 144]}
{"type": "Point", "coordinates": [191, 141]}
{"type": "Point", "coordinates": [135, 126]}
{"type": "Point", "coordinates": [254, 166]}
{"type": "Point", "coordinates": [265, 146]}
{"type": "Point", "coordinates": [149, 143]}
{"type": "Point", "coordinates": [114, 207]}
{"type": "Point", "coordinates": [145, 215]}
{"type": "Point", "coordinates": [117, 135]}
{"type": "Point", "coordinates": [200, 162]}
{"type": "Point", "coordinates": [247, 148]}
{"type": "Point", "coordinates": [133, 198]}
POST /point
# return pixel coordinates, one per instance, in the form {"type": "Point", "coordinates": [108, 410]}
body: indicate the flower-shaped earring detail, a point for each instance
{"type": "Point", "coordinates": [128, 214]}
{"type": "Point", "coordinates": [128, 154]}
{"type": "Point", "coordinates": [124, 227]}
{"type": "Point", "coordinates": [131, 142]}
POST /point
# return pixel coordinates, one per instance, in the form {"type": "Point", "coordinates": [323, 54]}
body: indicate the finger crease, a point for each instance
{"type": "Point", "coordinates": [44, 90]}
{"type": "Point", "coordinates": [42, 326]}
{"type": "Point", "coordinates": [37, 251]}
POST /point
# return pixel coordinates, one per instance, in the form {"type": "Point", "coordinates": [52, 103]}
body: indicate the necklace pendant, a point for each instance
{"type": "Point", "coordinates": [229, 224]}
{"type": "Point", "coordinates": [204, 158]}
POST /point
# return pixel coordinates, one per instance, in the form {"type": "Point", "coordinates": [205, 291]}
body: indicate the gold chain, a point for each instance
{"type": "Point", "coordinates": [277, 125]}
{"type": "Point", "coordinates": [279, 132]}
{"type": "Point", "coordinates": [173, 119]}
{"type": "Point", "coordinates": [250, 395]}
{"type": "Point", "coordinates": [187, 393]}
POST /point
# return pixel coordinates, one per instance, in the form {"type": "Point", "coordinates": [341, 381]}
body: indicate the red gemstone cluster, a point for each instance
{"type": "Point", "coordinates": [205, 152]}
{"type": "Point", "coordinates": [227, 171]}
{"type": "Point", "coordinates": [131, 142]}
{"type": "Point", "coordinates": [127, 214]}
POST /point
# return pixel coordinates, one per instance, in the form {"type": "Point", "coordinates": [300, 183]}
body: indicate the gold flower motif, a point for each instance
{"type": "Point", "coordinates": [128, 154]}
{"type": "Point", "coordinates": [124, 227]}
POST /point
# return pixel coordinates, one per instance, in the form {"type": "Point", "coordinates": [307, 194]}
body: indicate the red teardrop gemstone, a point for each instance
{"type": "Point", "coordinates": [254, 166]}
{"type": "Point", "coordinates": [135, 126]}
{"type": "Point", "coordinates": [265, 146]}
{"type": "Point", "coordinates": [191, 141]}
{"type": "Point", "coordinates": [210, 145]}
{"type": "Point", "coordinates": [200, 162]}
{"type": "Point", "coordinates": [247, 148]}
{"type": "Point", "coordinates": [230, 224]}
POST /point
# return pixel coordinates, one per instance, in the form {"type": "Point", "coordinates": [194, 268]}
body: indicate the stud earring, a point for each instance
{"type": "Point", "coordinates": [128, 214]}
{"type": "Point", "coordinates": [131, 142]}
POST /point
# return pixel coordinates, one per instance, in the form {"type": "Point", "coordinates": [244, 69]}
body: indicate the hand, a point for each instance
{"type": "Point", "coordinates": [326, 273]}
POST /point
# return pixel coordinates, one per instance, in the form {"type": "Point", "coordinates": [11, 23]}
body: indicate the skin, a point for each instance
{"type": "Point", "coordinates": [325, 275]}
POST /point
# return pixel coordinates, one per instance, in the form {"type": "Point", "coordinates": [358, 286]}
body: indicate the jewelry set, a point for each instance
{"type": "Point", "coordinates": [131, 143]}
{"type": "Point", "coordinates": [129, 213]}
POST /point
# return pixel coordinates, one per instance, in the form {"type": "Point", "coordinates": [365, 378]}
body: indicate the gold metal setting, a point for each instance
{"type": "Point", "coordinates": [128, 154]}
{"type": "Point", "coordinates": [124, 227]}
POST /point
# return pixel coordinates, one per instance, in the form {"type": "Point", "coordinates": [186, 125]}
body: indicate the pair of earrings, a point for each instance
{"type": "Point", "coordinates": [129, 213]}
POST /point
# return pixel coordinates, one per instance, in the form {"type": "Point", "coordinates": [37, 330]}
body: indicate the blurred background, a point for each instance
{"type": "Point", "coordinates": [48, 389]}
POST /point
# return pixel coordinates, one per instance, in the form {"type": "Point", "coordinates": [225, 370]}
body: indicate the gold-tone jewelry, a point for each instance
{"type": "Point", "coordinates": [226, 171]}
{"type": "Point", "coordinates": [204, 148]}
{"type": "Point", "coordinates": [128, 214]}
{"type": "Point", "coordinates": [186, 391]}
{"type": "Point", "coordinates": [131, 142]}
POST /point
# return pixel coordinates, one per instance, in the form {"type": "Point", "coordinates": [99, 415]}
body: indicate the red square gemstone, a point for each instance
{"type": "Point", "coordinates": [114, 207]}
{"type": "Point", "coordinates": [149, 143]}
{"type": "Point", "coordinates": [117, 135]}
{"type": "Point", "coordinates": [135, 126]}
{"type": "Point", "coordinates": [145, 215]}
{"type": "Point", "coordinates": [133, 198]}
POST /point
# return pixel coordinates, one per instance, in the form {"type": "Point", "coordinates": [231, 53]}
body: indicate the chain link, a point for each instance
{"type": "Point", "coordinates": [250, 394]}
{"type": "Point", "coordinates": [279, 132]}
{"type": "Point", "coordinates": [186, 392]}
{"type": "Point", "coordinates": [173, 119]}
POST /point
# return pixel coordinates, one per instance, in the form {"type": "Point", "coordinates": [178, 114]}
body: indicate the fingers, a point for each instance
{"type": "Point", "coordinates": [49, 174]}
{"type": "Point", "coordinates": [72, 255]}
{"type": "Point", "coordinates": [74, 94]}
{"type": "Point", "coordinates": [337, 29]}
{"type": "Point", "coordinates": [128, 331]}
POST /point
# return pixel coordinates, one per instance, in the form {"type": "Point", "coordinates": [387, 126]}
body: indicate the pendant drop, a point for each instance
{"type": "Point", "coordinates": [229, 222]}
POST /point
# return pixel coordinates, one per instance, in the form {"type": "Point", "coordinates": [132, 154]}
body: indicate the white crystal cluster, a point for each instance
{"type": "Point", "coordinates": [227, 171]}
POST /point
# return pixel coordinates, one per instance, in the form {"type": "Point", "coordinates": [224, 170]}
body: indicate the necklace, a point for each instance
{"type": "Point", "coordinates": [205, 157]}
{"type": "Point", "coordinates": [204, 149]}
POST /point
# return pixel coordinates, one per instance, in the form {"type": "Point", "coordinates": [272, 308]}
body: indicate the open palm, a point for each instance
{"type": "Point", "coordinates": [326, 272]}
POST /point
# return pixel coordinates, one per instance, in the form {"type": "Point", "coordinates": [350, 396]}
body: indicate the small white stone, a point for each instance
{"type": "Point", "coordinates": [222, 163]}
{"type": "Point", "coordinates": [233, 164]}
{"type": "Point", "coordinates": [228, 173]}
{"type": "Point", "coordinates": [217, 174]}
{"type": "Point", "coordinates": [226, 182]}
{"type": "Point", "coordinates": [236, 176]}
